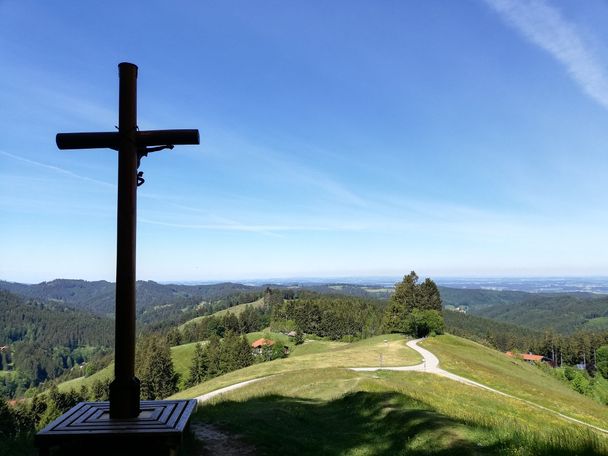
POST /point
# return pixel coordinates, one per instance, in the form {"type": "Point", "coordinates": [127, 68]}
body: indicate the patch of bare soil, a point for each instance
{"type": "Point", "coordinates": [217, 442]}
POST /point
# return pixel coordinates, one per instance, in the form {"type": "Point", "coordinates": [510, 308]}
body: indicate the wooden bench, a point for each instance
{"type": "Point", "coordinates": [87, 429]}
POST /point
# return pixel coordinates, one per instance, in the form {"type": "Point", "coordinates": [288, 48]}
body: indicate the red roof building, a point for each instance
{"type": "Point", "coordinates": [529, 357]}
{"type": "Point", "coordinates": [262, 342]}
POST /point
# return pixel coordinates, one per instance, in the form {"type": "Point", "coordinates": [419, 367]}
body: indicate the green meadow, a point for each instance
{"type": "Point", "coordinates": [340, 412]}
{"type": "Point", "coordinates": [389, 349]}
{"type": "Point", "coordinates": [309, 403]}
{"type": "Point", "coordinates": [236, 310]}
{"type": "Point", "coordinates": [315, 354]}
{"type": "Point", "coordinates": [518, 378]}
{"type": "Point", "coordinates": [323, 409]}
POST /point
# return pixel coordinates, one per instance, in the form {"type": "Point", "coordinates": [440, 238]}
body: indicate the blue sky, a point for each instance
{"type": "Point", "coordinates": [342, 138]}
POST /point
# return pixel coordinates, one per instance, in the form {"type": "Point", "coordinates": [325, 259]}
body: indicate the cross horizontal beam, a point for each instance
{"type": "Point", "coordinates": [111, 140]}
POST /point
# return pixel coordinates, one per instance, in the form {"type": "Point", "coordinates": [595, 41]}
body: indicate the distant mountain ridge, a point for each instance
{"type": "Point", "coordinates": [98, 297]}
{"type": "Point", "coordinates": [565, 312]}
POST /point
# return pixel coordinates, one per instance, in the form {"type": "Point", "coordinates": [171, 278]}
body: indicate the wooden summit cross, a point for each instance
{"type": "Point", "coordinates": [125, 419]}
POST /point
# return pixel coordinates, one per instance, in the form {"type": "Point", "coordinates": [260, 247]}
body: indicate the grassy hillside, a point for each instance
{"type": "Point", "coordinates": [494, 369]}
{"type": "Point", "coordinates": [76, 383]}
{"type": "Point", "coordinates": [310, 402]}
{"type": "Point", "coordinates": [596, 324]}
{"type": "Point", "coordinates": [320, 354]}
{"type": "Point", "coordinates": [457, 355]}
{"type": "Point", "coordinates": [236, 310]}
{"type": "Point", "coordinates": [340, 412]}
{"type": "Point", "coordinates": [181, 356]}
{"type": "Point", "coordinates": [313, 353]}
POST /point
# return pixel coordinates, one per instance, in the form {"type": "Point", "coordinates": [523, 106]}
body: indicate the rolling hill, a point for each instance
{"type": "Point", "coordinates": [155, 302]}
{"type": "Point", "coordinates": [236, 310]}
{"type": "Point", "coordinates": [327, 410]}
{"type": "Point", "coordinates": [564, 312]}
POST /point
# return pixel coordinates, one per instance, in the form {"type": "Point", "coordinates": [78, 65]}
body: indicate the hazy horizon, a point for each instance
{"type": "Point", "coordinates": [356, 280]}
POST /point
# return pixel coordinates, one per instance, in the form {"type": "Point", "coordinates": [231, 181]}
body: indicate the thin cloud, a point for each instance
{"type": "Point", "coordinates": [544, 26]}
{"type": "Point", "coordinates": [254, 228]}
{"type": "Point", "coordinates": [56, 169]}
{"type": "Point", "coordinates": [283, 164]}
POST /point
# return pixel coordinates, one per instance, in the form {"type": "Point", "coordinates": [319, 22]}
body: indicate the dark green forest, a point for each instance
{"type": "Point", "coordinates": [44, 339]}
{"type": "Point", "coordinates": [564, 313]}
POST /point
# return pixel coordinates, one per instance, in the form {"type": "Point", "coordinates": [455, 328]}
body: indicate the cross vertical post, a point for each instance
{"type": "Point", "coordinates": [125, 424]}
{"type": "Point", "coordinates": [131, 144]}
{"type": "Point", "coordinates": [124, 390]}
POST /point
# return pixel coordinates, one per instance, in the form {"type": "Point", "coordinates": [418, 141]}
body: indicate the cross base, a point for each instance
{"type": "Point", "coordinates": [124, 398]}
{"type": "Point", "coordinates": [88, 429]}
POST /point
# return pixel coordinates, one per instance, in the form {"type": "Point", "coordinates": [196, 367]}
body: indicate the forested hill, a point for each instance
{"type": "Point", "coordinates": [99, 296]}
{"type": "Point", "coordinates": [50, 324]}
{"type": "Point", "coordinates": [565, 313]}
{"type": "Point", "coordinates": [475, 299]}
{"type": "Point", "coordinates": [562, 312]}
{"type": "Point", "coordinates": [172, 304]}
{"type": "Point", "coordinates": [42, 340]}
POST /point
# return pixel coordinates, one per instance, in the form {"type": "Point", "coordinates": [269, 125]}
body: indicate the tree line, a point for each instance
{"type": "Point", "coordinates": [249, 320]}
{"type": "Point", "coordinates": [219, 356]}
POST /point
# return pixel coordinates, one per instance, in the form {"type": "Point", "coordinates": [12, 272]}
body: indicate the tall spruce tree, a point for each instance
{"type": "Point", "coordinates": [214, 348]}
{"type": "Point", "coordinates": [231, 323]}
{"type": "Point", "coordinates": [400, 304]}
{"type": "Point", "coordinates": [199, 369]}
{"type": "Point", "coordinates": [154, 368]}
{"type": "Point", "coordinates": [409, 297]}
{"type": "Point", "coordinates": [245, 357]}
{"type": "Point", "coordinates": [230, 352]}
{"type": "Point", "coordinates": [429, 297]}
{"type": "Point", "coordinates": [407, 292]}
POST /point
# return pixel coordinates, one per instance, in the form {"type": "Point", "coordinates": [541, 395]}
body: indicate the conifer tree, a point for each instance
{"type": "Point", "coordinates": [407, 292]}
{"type": "Point", "coordinates": [200, 365]}
{"type": "Point", "coordinates": [245, 356]}
{"type": "Point", "coordinates": [214, 349]}
{"type": "Point", "coordinates": [229, 353]}
{"type": "Point", "coordinates": [154, 368]}
{"type": "Point", "coordinates": [429, 297]}
{"type": "Point", "coordinates": [410, 297]}
{"type": "Point", "coordinates": [231, 322]}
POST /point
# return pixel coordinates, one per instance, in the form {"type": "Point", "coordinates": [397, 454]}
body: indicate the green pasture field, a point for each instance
{"type": "Point", "coordinates": [340, 412]}
{"type": "Point", "coordinates": [518, 378]}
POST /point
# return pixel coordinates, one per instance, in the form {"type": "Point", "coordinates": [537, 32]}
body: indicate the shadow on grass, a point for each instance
{"type": "Point", "coordinates": [383, 424]}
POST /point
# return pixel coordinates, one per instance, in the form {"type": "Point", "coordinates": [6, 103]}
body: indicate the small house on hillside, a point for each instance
{"type": "Point", "coordinates": [531, 358]}
{"type": "Point", "coordinates": [258, 345]}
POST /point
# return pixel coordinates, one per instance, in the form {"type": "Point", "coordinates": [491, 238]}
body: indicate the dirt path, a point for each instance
{"type": "Point", "coordinates": [205, 397]}
{"type": "Point", "coordinates": [216, 441]}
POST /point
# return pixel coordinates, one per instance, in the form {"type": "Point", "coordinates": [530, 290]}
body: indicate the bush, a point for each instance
{"type": "Point", "coordinates": [421, 323]}
{"type": "Point", "coordinates": [581, 383]}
